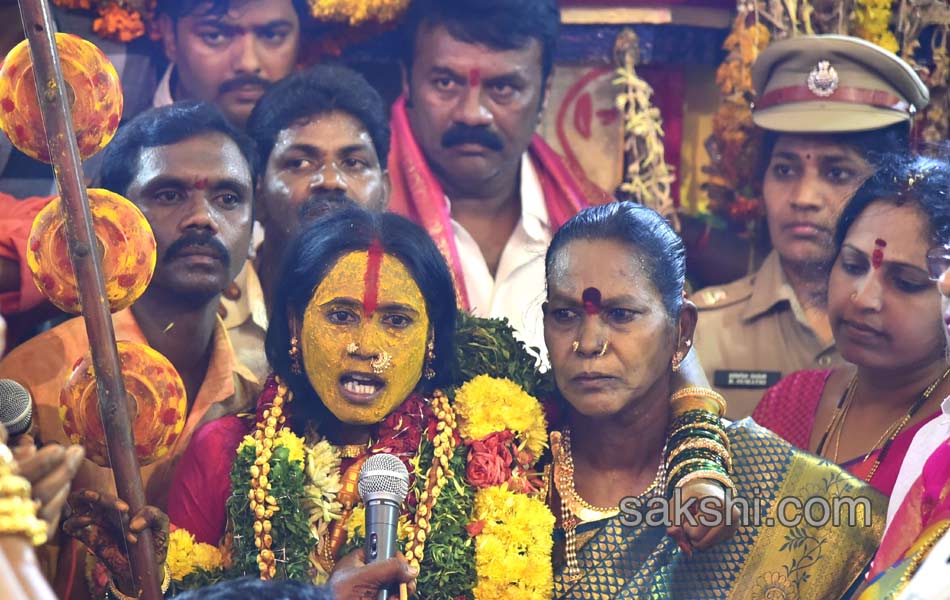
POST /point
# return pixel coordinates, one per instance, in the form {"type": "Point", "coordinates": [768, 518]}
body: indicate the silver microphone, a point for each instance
{"type": "Point", "coordinates": [16, 407]}
{"type": "Point", "coordinates": [383, 485]}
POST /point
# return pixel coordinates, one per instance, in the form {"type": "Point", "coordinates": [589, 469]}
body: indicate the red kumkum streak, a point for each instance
{"type": "Point", "coordinates": [201, 184]}
{"type": "Point", "coordinates": [474, 77]}
{"type": "Point", "coordinates": [371, 278]}
{"type": "Point", "coordinates": [591, 300]}
{"type": "Point", "coordinates": [877, 257]}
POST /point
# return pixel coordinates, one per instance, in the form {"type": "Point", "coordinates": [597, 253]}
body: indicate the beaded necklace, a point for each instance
{"type": "Point", "coordinates": [576, 510]}
{"type": "Point", "coordinates": [890, 434]}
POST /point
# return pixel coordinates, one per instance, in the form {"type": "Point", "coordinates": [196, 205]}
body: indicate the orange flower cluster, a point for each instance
{"type": "Point", "coordinates": [122, 20]}
{"type": "Point", "coordinates": [117, 23]}
{"type": "Point", "coordinates": [735, 138]}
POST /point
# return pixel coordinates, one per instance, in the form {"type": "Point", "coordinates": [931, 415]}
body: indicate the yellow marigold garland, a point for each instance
{"type": "Point", "coordinates": [185, 555]}
{"type": "Point", "coordinates": [513, 550]}
{"type": "Point", "coordinates": [487, 405]}
{"type": "Point", "coordinates": [357, 12]}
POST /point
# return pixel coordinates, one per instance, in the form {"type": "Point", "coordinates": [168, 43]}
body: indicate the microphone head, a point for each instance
{"type": "Point", "coordinates": [383, 476]}
{"type": "Point", "coordinates": [16, 407]}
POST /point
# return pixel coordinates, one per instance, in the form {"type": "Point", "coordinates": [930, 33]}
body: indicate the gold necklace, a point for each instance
{"type": "Point", "coordinates": [574, 509]}
{"type": "Point", "coordinates": [890, 433]}
{"type": "Point", "coordinates": [582, 506]}
{"type": "Point", "coordinates": [353, 450]}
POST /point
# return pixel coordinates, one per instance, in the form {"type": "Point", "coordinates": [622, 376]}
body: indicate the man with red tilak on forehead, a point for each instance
{"type": "Point", "coordinates": [466, 163]}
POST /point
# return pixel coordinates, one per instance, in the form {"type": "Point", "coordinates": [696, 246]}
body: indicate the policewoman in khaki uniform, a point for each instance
{"type": "Point", "coordinates": [831, 107]}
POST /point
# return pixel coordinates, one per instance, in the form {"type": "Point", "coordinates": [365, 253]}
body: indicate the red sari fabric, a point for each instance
{"type": "Point", "coordinates": [417, 194]}
{"type": "Point", "coordinates": [789, 408]}
{"type": "Point", "coordinates": [202, 483]}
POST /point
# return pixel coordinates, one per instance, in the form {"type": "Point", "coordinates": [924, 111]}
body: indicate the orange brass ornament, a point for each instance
{"type": "Point", "coordinates": [93, 92]}
{"type": "Point", "coordinates": [125, 239]}
{"type": "Point", "coordinates": [157, 404]}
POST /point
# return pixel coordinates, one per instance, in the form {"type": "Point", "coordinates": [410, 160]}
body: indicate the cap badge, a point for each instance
{"type": "Point", "coordinates": [823, 79]}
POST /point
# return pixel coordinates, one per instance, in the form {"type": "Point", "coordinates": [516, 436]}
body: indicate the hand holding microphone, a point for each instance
{"type": "Point", "coordinates": [51, 469]}
{"type": "Point", "coordinates": [383, 485]}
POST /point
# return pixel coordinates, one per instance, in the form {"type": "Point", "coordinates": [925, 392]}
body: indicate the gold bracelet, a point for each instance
{"type": "Point", "coordinates": [118, 595]}
{"type": "Point", "coordinates": [724, 480]}
{"type": "Point", "coordinates": [14, 486]}
{"type": "Point", "coordinates": [702, 443]}
{"type": "Point", "coordinates": [687, 463]}
{"type": "Point", "coordinates": [22, 520]}
{"type": "Point", "coordinates": [708, 427]}
{"type": "Point", "coordinates": [695, 397]}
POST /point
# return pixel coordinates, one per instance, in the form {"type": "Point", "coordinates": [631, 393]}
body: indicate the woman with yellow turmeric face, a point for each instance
{"type": "Point", "coordinates": [364, 336]}
{"type": "Point", "coordinates": [367, 333]}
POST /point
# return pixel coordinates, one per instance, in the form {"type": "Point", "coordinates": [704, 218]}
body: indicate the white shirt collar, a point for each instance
{"type": "Point", "coordinates": [163, 93]}
{"type": "Point", "coordinates": [534, 211]}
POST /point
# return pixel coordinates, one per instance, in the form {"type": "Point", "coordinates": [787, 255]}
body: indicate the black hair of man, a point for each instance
{"type": "Point", "coordinates": [497, 24]}
{"type": "Point", "coordinates": [177, 9]}
{"type": "Point", "coordinates": [253, 587]}
{"type": "Point", "coordinates": [164, 126]}
{"type": "Point", "coordinates": [318, 90]}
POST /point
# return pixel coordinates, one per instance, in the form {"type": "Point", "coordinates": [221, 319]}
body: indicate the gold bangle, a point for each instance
{"type": "Point", "coordinates": [702, 443]}
{"type": "Point", "coordinates": [14, 486]}
{"type": "Point", "coordinates": [22, 520]}
{"type": "Point", "coordinates": [686, 463]}
{"type": "Point", "coordinates": [716, 476]}
{"type": "Point", "coordinates": [708, 427]}
{"type": "Point", "coordinates": [695, 397]}
{"type": "Point", "coordinates": [166, 582]}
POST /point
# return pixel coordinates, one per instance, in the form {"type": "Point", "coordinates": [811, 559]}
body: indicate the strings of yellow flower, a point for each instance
{"type": "Point", "coordinates": [871, 20]}
{"type": "Point", "coordinates": [647, 178]}
{"type": "Point", "coordinates": [264, 505]}
{"type": "Point", "coordinates": [444, 443]}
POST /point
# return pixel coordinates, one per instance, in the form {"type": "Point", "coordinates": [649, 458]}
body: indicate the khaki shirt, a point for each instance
{"type": "Point", "coordinates": [244, 313]}
{"type": "Point", "coordinates": [44, 363]}
{"type": "Point", "coordinates": [751, 333]}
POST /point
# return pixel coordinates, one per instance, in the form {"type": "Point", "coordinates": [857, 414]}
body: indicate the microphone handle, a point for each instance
{"type": "Point", "coordinates": [382, 519]}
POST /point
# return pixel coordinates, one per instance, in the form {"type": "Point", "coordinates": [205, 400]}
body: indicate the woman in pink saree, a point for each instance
{"type": "Point", "coordinates": [884, 316]}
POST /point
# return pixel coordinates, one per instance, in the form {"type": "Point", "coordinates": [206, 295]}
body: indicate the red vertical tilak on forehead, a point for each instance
{"type": "Point", "coordinates": [371, 278]}
{"type": "Point", "coordinates": [201, 183]}
{"type": "Point", "coordinates": [474, 77]}
{"type": "Point", "coordinates": [877, 256]}
{"type": "Point", "coordinates": [591, 299]}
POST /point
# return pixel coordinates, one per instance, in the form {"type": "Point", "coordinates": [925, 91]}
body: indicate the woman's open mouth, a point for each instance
{"type": "Point", "coordinates": [360, 388]}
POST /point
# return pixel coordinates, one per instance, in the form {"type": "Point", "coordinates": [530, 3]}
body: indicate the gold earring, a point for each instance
{"type": "Point", "coordinates": [294, 354]}
{"type": "Point", "coordinates": [352, 348]}
{"type": "Point", "coordinates": [575, 346]}
{"type": "Point", "coordinates": [429, 372]}
{"type": "Point", "coordinates": [603, 349]}
{"type": "Point", "coordinates": [383, 361]}
{"type": "Point", "coordinates": [677, 359]}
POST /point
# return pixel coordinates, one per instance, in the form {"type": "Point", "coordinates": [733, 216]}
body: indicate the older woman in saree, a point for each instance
{"type": "Point", "coordinates": [616, 327]}
{"type": "Point", "coordinates": [886, 322]}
